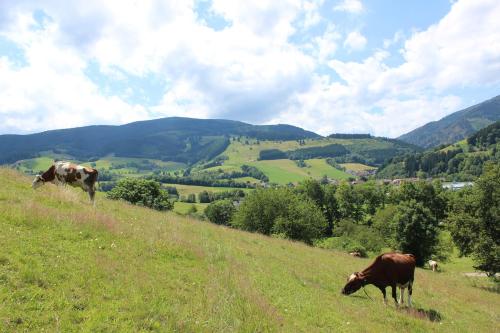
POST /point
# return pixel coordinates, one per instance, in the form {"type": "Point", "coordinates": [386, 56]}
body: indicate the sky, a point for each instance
{"type": "Point", "coordinates": [331, 66]}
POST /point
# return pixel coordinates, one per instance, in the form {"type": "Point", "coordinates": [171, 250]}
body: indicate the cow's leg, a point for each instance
{"type": "Point", "coordinates": [410, 290]}
{"type": "Point", "coordinates": [401, 294]}
{"type": "Point", "coordinates": [394, 295]}
{"type": "Point", "coordinates": [92, 195]}
{"type": "Point", "coordinates": [383, 293]}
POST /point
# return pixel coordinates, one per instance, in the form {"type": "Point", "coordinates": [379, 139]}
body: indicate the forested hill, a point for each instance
{"type": "Point", "coordinates": [456, 126]}
{"type": "Point", "coordinates": [174, 139]}
{"type": "Point", "coordinates": [463, 160]}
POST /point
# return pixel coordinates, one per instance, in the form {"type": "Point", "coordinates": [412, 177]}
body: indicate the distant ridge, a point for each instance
{"type": "Point", "coordinates": [178, 139]}
{"type": "Point", "coordinates": [456, 126]}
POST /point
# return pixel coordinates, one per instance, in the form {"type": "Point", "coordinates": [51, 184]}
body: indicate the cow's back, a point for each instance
{"type": "Point", "coordinates": [398, 268]}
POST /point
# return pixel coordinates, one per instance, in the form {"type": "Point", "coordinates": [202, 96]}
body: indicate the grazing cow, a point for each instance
{"type": "Point", "coordinates": [388, 269]}
{"type": "Point", "coordinates": [433, 265]}
{"type": "Point", "coordinates": [62, 172]}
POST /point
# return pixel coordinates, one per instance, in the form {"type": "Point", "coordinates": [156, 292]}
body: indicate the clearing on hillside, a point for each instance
{"type": "Point", "coordinates": [65, 266]}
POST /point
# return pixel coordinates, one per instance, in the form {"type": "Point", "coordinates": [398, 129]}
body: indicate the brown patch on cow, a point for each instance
{"type": "Point", "coordinates": [50, 174]}
{"type": "Point", "coordinates": [92, 178]}
{"type": "Point", "coordinates": [71, 175]}
{"type": "Point", "coordinates": [78, 175]}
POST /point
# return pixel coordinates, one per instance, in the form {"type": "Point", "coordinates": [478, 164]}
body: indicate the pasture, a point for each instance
{"type": "Point", "coordinates": [66, 266]}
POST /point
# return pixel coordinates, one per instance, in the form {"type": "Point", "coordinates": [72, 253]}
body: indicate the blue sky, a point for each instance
{"type": "Point", "coordinates": [379, 66]}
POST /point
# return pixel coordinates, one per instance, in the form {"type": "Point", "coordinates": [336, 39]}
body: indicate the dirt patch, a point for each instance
{"type": "Point", "coordinates": [479, 274]}
{"type": "Point", "coordinates": [430, 314]}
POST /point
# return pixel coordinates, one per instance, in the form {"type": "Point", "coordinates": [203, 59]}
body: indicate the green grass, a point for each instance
{"type": "Point", "coordinates": [184, 208]}
{"type": "Point", "coordinates": [194, 189]}
{"type": "Point", "coordinates": [67, 266]}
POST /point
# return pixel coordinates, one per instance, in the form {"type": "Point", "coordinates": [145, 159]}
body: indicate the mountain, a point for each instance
{"type": "Point", "coordinates": [171, 139]}
{"type": "Point", "coordinates": [463, 160]}
{"type": "Point", "coordinates": [456, 126]}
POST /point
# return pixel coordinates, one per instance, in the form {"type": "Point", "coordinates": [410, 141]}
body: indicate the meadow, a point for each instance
{"type": "Point", "coordinates": [67, 266]}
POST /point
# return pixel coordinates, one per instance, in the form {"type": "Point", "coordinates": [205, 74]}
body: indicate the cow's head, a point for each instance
{"type": "Point", "coordinates": [354, 282]}
{"type": "Point", "coordinates": [38, 181]}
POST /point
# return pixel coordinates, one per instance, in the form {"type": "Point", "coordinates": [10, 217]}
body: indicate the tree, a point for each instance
{"type": "Point", "coordinates": [475, 220]}
{"type": "Point", "coordinates": [220, 212]}
{"type": "Point", "coordinates": [313, 189]}
{"type": "Point", "coordinates": [332, 212]}
{"type": "Point", "coordinates": [141, 192]}
{"type": "Point", "coordinates": [349, 202]}
{"type": "Point", "coordinates": [416, 230]}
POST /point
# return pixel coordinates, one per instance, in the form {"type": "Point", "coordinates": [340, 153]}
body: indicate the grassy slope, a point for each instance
{"type": "Point", "coordinates": [357, 166]}
{"type": "Point", "coordinates": [280, 171]}
{"type": "Point", "coordinates": [118, 268]}
{"type": "Point", "coordinates": [183, 208]}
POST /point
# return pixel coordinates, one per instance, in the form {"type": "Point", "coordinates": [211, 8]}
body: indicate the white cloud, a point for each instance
{"type": "Point", "coordinates": [250, 70]}
{"type": "Point", "coordinates": [355, 41]}
{"type": "Point", "coordinates": [350, 6]}
{"type": "Point", "coordinates": [326, 45]}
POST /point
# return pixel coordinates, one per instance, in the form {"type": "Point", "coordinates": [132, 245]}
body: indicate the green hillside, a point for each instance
{"type": "Point", "coordinates": [455, 126]}
{"type": "Point", "coordinates": [66, 266]}
{"type": "Point", "coordinates": [176, 139]}
{"type": "Point", "coordinates": [462, 160]}
{"type": "Point", "coordinates": [280, 170]}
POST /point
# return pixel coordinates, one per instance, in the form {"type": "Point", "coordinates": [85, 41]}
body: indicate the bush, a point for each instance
{"type": "Point", "coordinates": [141, 192]}
{"type": "Point", "coordinates": [342, 243]}
{"type": "Point", "coordinates": [281, 211]}
{"type": "Point", "coordinates": [220, 212]}
{"type": "Point", "coordinates": [369, 237]}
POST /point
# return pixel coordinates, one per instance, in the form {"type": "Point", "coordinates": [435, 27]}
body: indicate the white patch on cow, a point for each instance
{"type": "Point", "coordinates": [352, 277]}
{"type": "Point", "coordinates": [37, 182]}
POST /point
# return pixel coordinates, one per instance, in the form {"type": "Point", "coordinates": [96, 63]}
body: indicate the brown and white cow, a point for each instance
{"type": "Point", "coordinates": [433, 265]}
{"type": "Point", "coordinates": [388, 269]}
{"type": "Point", "coordinates": [62, 172]}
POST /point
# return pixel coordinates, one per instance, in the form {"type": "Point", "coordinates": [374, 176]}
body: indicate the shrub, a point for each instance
{"type": "Point", "coordinates": [141, 192]}
{"type": "Point", "coordinates": [342, 243]}
{"type": "Point", "coordinates": [280, 211]}
{"type": "Point", "coordinates": [220, 212]}
{"type": "Point", "coordinates": [369, 237]}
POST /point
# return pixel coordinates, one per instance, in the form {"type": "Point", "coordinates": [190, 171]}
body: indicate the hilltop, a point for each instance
{"type": "Point", "coordinates": [456, 126]}
{"type": "Point", "coordinates": [67, 266]}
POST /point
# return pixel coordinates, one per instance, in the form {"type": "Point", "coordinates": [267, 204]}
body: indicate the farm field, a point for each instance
{"type": "Point", "coordinates": [67, 266]}
{"type": "Point", "coordinates": [280, 171]}
{"type": "Point", "coordinates": [194, 189]}
{"type": "Point", "coordinates": [286, 171]}
{"type": "Point", "coordinates": [357, 167]}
